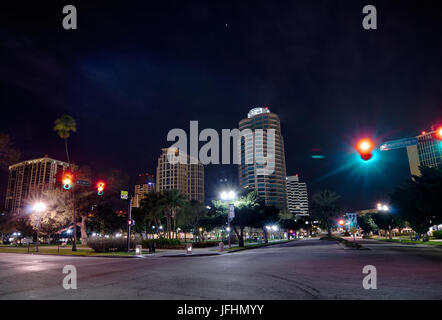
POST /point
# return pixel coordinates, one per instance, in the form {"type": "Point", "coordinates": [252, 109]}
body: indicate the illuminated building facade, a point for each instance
{"type": "Point", "coordinates": [29, 178]}
{"type": "Point", "coordinates": [184, 176]}
{"type": "Point", "coordinates": [270, 187]}
{"type": "Point", "coordinates": [427, 152]}
{"type": "Point", "coordinates": [297, 198]}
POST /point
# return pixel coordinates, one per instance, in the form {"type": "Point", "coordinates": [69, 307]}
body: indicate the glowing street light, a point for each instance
{"type": "Point", "coordinates": [229, 196]}
{"type": "Point", "coordinates": [383, 207]}
{"type": "Point", "coordinates": [38, 207]}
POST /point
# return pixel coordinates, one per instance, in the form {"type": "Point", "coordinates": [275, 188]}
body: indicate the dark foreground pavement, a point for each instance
{"type": "Point", "coordinates": [307, 269]}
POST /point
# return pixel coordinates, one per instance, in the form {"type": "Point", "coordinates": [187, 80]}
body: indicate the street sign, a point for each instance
{"type": "Point", "coordinates": [397, 144]}
{"type": "Point", "coordinates": [353, 230]}
{"type": "Point", "coordinates": [353, 219]}
{"type": "Point", "coordinates": [124, 195]}
{"type": "Point", "coordinates": [231, 211]}
{"type": "Point", "coordinates": [84, 183]}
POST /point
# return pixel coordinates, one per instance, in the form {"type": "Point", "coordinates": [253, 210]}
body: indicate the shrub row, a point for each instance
{"type": "Point", "coordinates": [163, 243]}
{"type": "Point", "coordinates": [205, 244]}
{"type": "Point", "coordinates": [100, 244]}
{"type": "Point", "coordinates": [437, 234]}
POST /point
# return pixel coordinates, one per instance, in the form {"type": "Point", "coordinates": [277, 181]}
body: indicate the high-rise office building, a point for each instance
{"type": "Point", "coordinates": [297, 198]}
{"type": "Point", "coordinates": [184, 176]}
{"type": "Point", "coordinates": [145, 184]}
{"type": "Point", "coordinates": [29, 178]}
{"type": "Point", "coordinates": [427, 152]}
{"type": "Point", "coordinates": [270, 186]}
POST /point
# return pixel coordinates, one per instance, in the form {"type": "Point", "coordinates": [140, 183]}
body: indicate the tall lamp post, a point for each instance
{"type": "Point", "coordinates": [39, 207]}
{"type": "Point", "coordinates": [229, 196]}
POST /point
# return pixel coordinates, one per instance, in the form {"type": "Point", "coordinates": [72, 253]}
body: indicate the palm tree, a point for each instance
{"type": "Point", "coordinates": [152, 206]}
{"type": "Point", "coordinates": [63, 126]}
{"type": "Point", "coordinates": [173, 200]}
{"type": "Point", "coordinates": [325, 208]}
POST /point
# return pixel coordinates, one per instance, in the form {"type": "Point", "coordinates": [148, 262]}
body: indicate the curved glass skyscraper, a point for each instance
{"type": "Point", "coordinates": [271, 186]}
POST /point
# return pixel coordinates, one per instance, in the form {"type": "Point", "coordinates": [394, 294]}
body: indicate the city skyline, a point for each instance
{"type": "Point", "coordinates": [309, 81]}
{"type": "Point", "coordinates": [221, 158]}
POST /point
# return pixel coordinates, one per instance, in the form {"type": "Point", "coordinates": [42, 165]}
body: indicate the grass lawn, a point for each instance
{"type": "Point", "coordinates": [431, 243]}
{"type": "Point", "coordinates": [84, 251]}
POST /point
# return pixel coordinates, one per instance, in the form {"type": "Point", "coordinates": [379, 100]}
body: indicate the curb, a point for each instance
{"type": "Point", "coordinates": [71, 255]}
{"type": "Point", "coordinates": [185, 255]}
{"type": "Point", "coordinates": [259, 247]}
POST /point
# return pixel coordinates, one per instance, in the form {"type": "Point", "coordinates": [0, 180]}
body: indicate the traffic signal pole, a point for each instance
{"type": "Point", "coordinates": [129, 222]}
{"type": "Point", "coordinates": [74, 245]}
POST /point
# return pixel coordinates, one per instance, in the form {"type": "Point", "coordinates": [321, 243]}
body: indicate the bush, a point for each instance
{"type": "Point", "coordinates": [164, 243]}
{"type": "Point", "coordinates": [100, 244]}
{"type": "Point", "coordinates": [437, 234]}
{"type": "Point", "coordinates": [205, 244]}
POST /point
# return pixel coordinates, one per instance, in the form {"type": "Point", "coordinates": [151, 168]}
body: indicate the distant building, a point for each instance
{"type": "Point", "coordinates": [29, 178]}
{"type": "Point", "coordinates": [297, 197]}
{"type": "Point", "coordinates": [184, 176]}
{"type": "Point", "coordinates": [145, 184]}
{"type": "Point", "coordinates": [427, 152]}
{"type": "Point", "coordinates": [270, 187]}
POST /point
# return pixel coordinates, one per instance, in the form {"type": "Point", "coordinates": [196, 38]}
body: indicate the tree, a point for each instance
{"type": "Point", "coordinates": [325, 208]}
{"type": "Point", "coordinates": [172, 200]}
{"type": "Point", "coordinates": [57, 214]}
{"type": "Point", "coordinates": [367, 224]}
{"type": "Point", "coordinates": [246, 209]}
{"type": "Point", "coordinates": [106, 220]}
{"type": "Point", "coordinates": [419, 200]}
{"type": "Point", "coordinates": [63, 126]}
{"type": "Point", "coordinates": [266, 215]}
{"type": "Point", "coordinates": [9, 154]}
{"type": "Point", "coordinates": [151, 210]}
{"type": "Point", "coordinates": [192, 215]}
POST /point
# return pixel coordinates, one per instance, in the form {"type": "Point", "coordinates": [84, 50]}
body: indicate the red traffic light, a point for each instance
{"type": "Point", "coordinates": [341, 222]}
{"type": "Point", "coordinates": [438, 133]}
{"type": "Point", "coordinates": [67, 180]}
{"type": "Point", "coordinates": [365, 147]}
{"type": "Point", "coordinates": [100, 187]}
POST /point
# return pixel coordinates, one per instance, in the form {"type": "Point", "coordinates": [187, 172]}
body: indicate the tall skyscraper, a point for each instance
{"type": "Point", "coordinates": [297, 198]}
{"type": "Point", "coordinates": [427, 152]}
{"type": "Point", "coordinates": [270, 187]}
{"type": "Point", "coordinates": [145, 184]}
{"type": "Point", "coordinates": [186, 177]}
{"type": "Point", "coordinates": [29, 178]}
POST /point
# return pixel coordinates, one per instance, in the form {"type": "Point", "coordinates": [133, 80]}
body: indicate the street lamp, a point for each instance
{"type": "Point", "coordinates": [383, 207]}
{"type": "Point", "coordinates": [38, 207]}
{"type": "Point", "coordinates": [229, 196]}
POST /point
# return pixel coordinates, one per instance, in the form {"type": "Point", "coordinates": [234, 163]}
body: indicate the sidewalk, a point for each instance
{"type": "Point", "coordinates": [212, 251]}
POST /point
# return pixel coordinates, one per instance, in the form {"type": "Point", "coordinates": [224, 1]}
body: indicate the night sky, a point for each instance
{"type": "Point", "coordinates": [133, 70]}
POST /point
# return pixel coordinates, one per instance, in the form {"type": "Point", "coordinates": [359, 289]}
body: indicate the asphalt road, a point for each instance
{"type": "Point", "coordinates": [306, 269]}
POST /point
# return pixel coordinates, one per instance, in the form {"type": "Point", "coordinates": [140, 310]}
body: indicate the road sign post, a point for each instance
{"type": "Point", "coordinates": [125, 196]}
{"type": "Point", "coordinates": [229, 218]}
